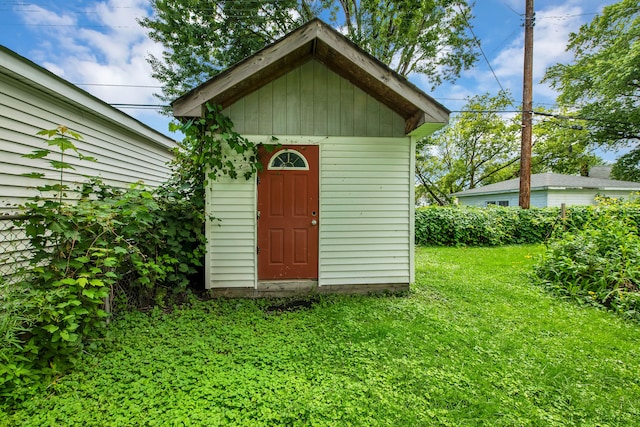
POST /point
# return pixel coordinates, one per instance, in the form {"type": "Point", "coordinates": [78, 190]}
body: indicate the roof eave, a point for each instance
{"type": "Point", "coordinates": [316, 40]}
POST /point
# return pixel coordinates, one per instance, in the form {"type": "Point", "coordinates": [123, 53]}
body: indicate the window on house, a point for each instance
{"type": "Point", "coordinates": [288, 159]}
{"type": "Point", "coordinates": [503, 203]}
{"type": "Point", "coordinates": [493, 202]}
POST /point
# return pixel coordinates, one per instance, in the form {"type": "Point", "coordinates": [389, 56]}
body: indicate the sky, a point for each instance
{"type": "Point", "coordinates": [99, 46]}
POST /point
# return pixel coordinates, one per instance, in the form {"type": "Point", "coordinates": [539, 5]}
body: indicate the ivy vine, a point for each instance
{"type": "Point", "coordinates": [211, 148]}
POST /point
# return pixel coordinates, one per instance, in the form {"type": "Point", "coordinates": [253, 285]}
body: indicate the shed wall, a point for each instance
{"type": "Point", "coordinates": [313, 100]}
{"type": "Point", "coordinates": [366, 211]}
{"type": "Point", "coordinates": [365, 220]}
{"type": "Point", "coordinates": [231, 233]}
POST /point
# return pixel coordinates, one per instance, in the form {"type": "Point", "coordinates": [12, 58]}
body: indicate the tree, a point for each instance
{"type": "Point", "coordinates": [479, 147]}
{"type": "Point", "coordinates": [627, 168]}
{"type": "Point", "coordinates": [202, 37]}
{"type": "Point", "coordinates": [602, 84]}
{"type": "Point", "coordinates": [562, 146]}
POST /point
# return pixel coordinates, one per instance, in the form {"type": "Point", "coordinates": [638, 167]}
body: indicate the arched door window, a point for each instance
{"type": "Point", "coordinates": [288, 159]}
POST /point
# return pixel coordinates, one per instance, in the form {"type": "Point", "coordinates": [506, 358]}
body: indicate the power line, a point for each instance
{"type": "Point", "coordinates": [117, 85]}
{"type": "Point", "coordinates": [475, 38]}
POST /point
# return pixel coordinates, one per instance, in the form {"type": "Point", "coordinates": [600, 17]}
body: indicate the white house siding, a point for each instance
{"type": "Point", "coordinates": [123, 157]}
{"type": "Point", "coordinates": [33, 99]}
{"type": "Point", "coordinates": [365, 218]}
{"type": "Point", "coordinates": [548, 197]}
{"type": "Point", "coordinates": [231, 233]}
{"type": "Point", "coordinates": [583, 196]}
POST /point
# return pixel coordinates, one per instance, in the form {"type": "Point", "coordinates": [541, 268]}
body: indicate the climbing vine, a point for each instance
{"type": "Point", "coordinates": [211, 148]}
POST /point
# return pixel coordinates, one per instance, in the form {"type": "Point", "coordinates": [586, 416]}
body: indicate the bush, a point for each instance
{"type": "Point", "coordinates": [491, 226]}
{"type": "Point", "coordinates": [599, 264]}
{"type": "Point", "coordinates": [80, 254]}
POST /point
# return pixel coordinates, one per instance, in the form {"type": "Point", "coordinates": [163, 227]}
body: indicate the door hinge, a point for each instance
{"type": "Point", "coordinates": [258, 250]}
{"type": "Point", "coordinates": [258, 215]}
{"type": "Point", "coordinates": [258, 181]}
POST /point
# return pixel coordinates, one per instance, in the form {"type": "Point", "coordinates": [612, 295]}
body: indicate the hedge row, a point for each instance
{"type": "Point", "coordinates": [492, 226]}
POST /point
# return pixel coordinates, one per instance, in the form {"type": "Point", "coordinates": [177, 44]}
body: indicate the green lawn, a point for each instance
{"type": "Point", "coordinates": [473, 344]}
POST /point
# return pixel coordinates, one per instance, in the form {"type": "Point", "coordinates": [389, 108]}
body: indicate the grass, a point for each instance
{"type": "Point", "coordinates": [473, 344]}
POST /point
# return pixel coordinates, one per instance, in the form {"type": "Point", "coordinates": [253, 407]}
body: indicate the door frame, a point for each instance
{"type": "Point", "coordinates": [297, 146]}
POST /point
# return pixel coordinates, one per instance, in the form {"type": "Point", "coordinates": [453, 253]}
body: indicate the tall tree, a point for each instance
{"type": "Point", "coordinates": [479, 147]}
{"type": "Point", "coordinates": [202, 37]}
{"type": "Point", "coordinates": [562, 146]}
{"type": "Point", "coordinates": [602, 84]}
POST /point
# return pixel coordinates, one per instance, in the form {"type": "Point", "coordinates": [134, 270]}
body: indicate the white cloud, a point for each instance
{"type": "Point", "coordinates": [35, 15]}
{"type": "Point", "coordinates": [101, 48]}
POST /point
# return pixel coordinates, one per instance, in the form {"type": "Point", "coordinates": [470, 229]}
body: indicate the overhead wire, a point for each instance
{"type": "Point", "coordinates": [495, 76]}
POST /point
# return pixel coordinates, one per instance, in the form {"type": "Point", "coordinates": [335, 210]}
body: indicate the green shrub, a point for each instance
{"type": "Point", "coordinates": [491, 226]}
{"type": "Point", "coordinates": [599, 264]}
{"type": "Point", "coordinates": [80, 253]}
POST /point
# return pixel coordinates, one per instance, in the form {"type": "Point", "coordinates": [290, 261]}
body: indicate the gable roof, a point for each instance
{"type": "Point", "coordinates": [552, 181]}
{"type": "Point", "coordinates": [31, 74]}
{"type": "Point", "coordinates": [317, 40]}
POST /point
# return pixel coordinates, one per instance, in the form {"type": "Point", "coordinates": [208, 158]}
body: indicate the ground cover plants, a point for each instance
{"type": "Point", "coordinates": [472, 344]}
{"type": "Point", "coordinates": [83, 243]}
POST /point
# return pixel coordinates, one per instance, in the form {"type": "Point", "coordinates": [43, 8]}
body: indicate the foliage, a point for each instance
{"type": "Point", "coordinates": [482, 147]}
{"type": "Point", "coordinates": [210, 149]}
{"type": "Point", "coordinates": [496, 225]}
{"type": "Point", "coordinates": [491, 226]}
{"type": "Point", "coordinates": [473, 344]}
{"type": "Point", "coordinates": [80, 255]}
{"type": "Point", "coordinates": [562, 148]}
{"type": "Point", "coordinates": [602, 81]}
{"type": "Point", "coordinates": [599, 264]}
{"type": "Point", "coordinates": [201, 37]}
{"type": "Point", "coordinates": [627, 167]}
{"type": "Point", "coordinates": [479, 147]}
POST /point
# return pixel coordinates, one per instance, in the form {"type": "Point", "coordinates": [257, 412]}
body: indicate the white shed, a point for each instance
{"type": "Point", "coordinates": [333, 208]}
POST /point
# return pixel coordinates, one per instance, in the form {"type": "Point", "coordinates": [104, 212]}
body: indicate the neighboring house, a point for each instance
{"type": "Point", "coordinates": [548, 190]}
{"type": "Point", "coordinates": [332, 210]}
{"type": "Point", "coordinates": [33, 99]}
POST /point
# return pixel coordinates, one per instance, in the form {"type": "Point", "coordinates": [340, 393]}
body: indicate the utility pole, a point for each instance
{"type": "Point", "coordinates": [527, 110]}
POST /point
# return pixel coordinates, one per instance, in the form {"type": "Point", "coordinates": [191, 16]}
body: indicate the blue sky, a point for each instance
{"type": "Point", "coordinates": [99, 46]}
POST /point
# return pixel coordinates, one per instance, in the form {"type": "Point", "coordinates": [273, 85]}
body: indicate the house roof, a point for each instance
{"type": "Point", "coordinates": [552, 181]}
{"type": "Point", "coordinates": [20, 68]}
{"type": "Point", "coordinates": [317, 40]}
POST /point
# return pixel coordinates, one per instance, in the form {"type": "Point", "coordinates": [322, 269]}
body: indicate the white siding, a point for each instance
{"type": "Point", "coordinates": [231, 233]}
{"type": "Point", "coordinates": [482, 200]}
{"type": "Point", "coordinates": [539, 199]}
{"type": "Point", "coordinates": [122, 157]}
{"type": "Point", "coordinates": [231, 229]}
{"type": "Point", "coordinates": [548, 197]}
{"type": "Point", "coordinates": [365, 211]}
{"type": "Point", "coordinates": [33, 99]}
{"type": "Point", "coordinates": [573, 197]}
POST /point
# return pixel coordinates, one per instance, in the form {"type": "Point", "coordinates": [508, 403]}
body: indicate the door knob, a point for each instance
{"type": "Point", "coordinates": [314, 222]}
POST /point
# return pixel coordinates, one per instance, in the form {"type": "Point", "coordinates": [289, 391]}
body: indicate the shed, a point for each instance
{"type": "Point", "coordinates": [333, 208]}
{"type": "Point", "coordinates": [549, 190]}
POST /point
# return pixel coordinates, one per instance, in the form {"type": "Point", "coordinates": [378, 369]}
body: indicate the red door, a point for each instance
{"type": "Point", "coordinates": [288, 213]}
